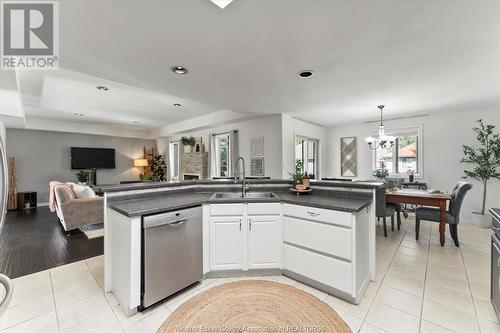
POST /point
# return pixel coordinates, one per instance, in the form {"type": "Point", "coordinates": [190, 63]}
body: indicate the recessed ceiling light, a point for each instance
{"type": "Point", "coordinates": [103, 88]}
{"type": "Point", "coordinates": [177, 105]}
{"type": "Point", "coordinates": [179, 70]}
{"type": "Point", "coordinates": [306, 74]}
{"type": "Point", "coordinates": [222, 3]}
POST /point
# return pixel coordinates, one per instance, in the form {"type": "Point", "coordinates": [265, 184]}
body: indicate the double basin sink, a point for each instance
{"type": "Point", "coordinates": [238, 195]}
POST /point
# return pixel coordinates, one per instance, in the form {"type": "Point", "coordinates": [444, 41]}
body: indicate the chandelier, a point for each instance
{"type": "Point", "coordinates": [381, 140]}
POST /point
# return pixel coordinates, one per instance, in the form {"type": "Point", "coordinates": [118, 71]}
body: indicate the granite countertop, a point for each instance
{"type": "Point", "coordinates": [353, 202]}
{"type": "Point", "coordinates": [221, 182]}
{"type": "Point", "coordinates": [495, 212]}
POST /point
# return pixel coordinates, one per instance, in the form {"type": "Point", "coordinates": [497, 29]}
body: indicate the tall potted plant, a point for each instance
{"type": "Point", "coordinates": [486, 160]}
{"type": "Point", "coordinates": [158, 168]}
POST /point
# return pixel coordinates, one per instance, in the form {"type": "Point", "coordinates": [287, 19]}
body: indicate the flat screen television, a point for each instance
{"type": "Point", "coordinates": [92, 158]}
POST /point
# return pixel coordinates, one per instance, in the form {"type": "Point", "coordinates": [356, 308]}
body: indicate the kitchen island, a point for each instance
{"type": "Point", "coordinates": [325, 239]}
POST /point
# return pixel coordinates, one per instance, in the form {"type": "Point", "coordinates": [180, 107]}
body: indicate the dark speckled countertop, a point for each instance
{"type": "Point", "coordinates": [347, 202]}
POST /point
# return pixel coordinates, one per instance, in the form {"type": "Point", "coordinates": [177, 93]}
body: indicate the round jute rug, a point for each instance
{"type": "Point", "coordinates": [254, 306]}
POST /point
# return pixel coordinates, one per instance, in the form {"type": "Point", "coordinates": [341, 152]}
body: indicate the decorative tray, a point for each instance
{"type": "Point", "coordinates": [299, 192]}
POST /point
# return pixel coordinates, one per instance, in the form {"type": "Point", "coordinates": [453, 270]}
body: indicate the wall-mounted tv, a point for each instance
{"type": "Point", "coordinates": [92, 158]}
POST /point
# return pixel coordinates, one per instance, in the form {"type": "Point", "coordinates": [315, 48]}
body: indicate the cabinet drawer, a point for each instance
{"type": "Point", "coordinates": [226, 210]}
{"type": "Point", "coordinates": [327, 238]}
{"type": "Point", "coordinates": [264, 209]}
{"type": "Point", "coordinates": [334, 273]}
{"type": "Point", "coordinates": [318, 214]}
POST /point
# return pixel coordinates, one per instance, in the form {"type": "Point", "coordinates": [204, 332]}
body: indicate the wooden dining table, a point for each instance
{"type": "Point", "coordinates": [424, 198]}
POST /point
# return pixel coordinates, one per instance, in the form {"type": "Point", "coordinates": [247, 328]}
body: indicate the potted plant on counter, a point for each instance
{"type": "Point", "coordinates": [188, 143]}
{"type": "Point", "coordinates": [297, 176]}
{"type": "Point", "coordinates": [486, 160]}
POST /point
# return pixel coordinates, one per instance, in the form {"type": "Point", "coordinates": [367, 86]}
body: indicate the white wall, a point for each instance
{"type": "Point", "coordinates": [443, 137]}
{"type": "Point", "coordinates": [292, 127]}
{"type": "Point", "coordinates": [269, 127]}
{"type": "Point", "coordinates": [42, 156]}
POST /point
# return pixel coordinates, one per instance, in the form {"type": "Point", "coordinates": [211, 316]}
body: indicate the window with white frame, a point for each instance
{"type": "Point", "coordinates": [174, 160]}
{"type": "Point", "coordinates": [306, 151]}
{"type": "Point", "coordinates": [405, 154]}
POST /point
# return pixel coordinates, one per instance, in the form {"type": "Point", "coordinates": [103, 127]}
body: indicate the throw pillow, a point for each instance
{"type": "Point", "coordinates": [83, 192]}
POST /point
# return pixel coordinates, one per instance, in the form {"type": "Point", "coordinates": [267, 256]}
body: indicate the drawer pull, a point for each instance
{"type": "Point", "coordinates": [250, 224]}
{"type": "Point", "coordinates": [240, 224]}
{"type": "Point", "coordinates": [313, 214]}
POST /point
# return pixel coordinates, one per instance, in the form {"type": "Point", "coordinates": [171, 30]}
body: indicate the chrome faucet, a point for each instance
{"type": "Point", "coordinates": [244, 186]}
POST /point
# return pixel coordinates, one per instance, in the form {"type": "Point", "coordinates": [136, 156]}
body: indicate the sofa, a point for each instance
{"type": "Point", "coordinates": [74, 212]}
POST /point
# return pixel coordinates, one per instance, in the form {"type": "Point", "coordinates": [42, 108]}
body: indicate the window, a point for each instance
{"type": "Point", "coordinates": [174, 160]}
{"type": "Point", "coordinates": [223, 151]}
{"type": "Point", "coordinates": [306, 151]}
{"type": "Point", "coordinates": [405, 155]}
{"type": "Point", "coordinates": [223, 162]}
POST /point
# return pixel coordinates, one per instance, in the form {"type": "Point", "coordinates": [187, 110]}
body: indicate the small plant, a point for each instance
{"type": "Point", "coordinates": [82, 176]}
{"type": "Point", "coordinates": [486, 157]}
{"type": "Point", "coordinates": [158, 168]}
{"type": "Point", "coordinates": [191, 141]}
{"type": "Point", "coordinates": [410, 172]}
{"type": "Point", "coordinates": [297, 176]}
{"type": "Point", "coordinates": [380, 174]}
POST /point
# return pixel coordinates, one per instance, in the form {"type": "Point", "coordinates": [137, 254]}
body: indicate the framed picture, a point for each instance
{"type": "Point", "coordinates": [348, 152]}
{"type": "Point", "coordinates": [257, 167]}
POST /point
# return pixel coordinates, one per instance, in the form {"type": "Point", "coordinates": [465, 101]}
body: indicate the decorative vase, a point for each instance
{"type": "Point", "coordinates": [296, 182]}
{"type": "Point", "coordinates": [411, 178]}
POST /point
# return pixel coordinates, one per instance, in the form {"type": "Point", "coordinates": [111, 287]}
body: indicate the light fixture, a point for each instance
{"type": "Point", "coordinates": [78, 114]}
{"type": "Point", "coordinates": [381, 140]}
{"type": "Point", "coordinates": [222, 3]}
{"type": "Point", "coordinates": [135, 122]}
{"type": "Point", "coordinates": [140, 162]}
{"type": "Point", "coordinates": [181, 70]}
{"type": "Point", "coordinates": [103, 88]}
{"type": "Point", "coordinates": [177, 105]}
{"type": "Point", "coordinates": [306, 74]}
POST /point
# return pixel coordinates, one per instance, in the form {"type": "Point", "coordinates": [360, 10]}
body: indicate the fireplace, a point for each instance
{"type": "Point", "coordinates": [191, 176]}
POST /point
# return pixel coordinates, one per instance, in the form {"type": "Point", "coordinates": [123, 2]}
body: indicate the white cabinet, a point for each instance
{"type": "Point", "coordinates": [245, 241]}
{"type": "Point", "coordinates": [264, 242]}
{"type": "Point", "coordinates": [227, 236]}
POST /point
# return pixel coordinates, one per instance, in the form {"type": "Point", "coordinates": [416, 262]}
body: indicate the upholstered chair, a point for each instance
{"type": "Point", "coordinates": [452, 216]}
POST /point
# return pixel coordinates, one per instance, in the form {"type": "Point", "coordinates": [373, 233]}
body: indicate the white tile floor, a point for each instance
{"type": "Point", "coordinates": [421, 287]}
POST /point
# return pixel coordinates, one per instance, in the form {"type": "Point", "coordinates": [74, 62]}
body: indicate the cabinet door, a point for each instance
{"type": "Point", "coordinates": [264, 242]}
{"type": "Point", "coordinates": [227, 243]}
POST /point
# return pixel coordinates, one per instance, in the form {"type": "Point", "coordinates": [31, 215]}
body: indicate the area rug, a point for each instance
{"type": "Point", "coordinates": [93, 230]}
{"type": "Point", "coordinates": [254, 306]}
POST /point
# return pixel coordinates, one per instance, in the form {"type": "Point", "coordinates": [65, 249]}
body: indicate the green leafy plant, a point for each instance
{"type": "Point", "coordinates": [82, 176]}
{"type": "Point", "coordinates": [158, 168]}
{"type": "Point", "coordinates": [298, 174]}
{"type": "Point", "coordinates": [380, 173]}
{"type": "Point", "coordinates": [191, 141]}
{"type": "Point", "coordinates": [486, 157]}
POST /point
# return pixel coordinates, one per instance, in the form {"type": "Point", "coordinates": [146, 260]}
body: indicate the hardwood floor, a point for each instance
{"type": "Point", "coordinates": [34, 240]}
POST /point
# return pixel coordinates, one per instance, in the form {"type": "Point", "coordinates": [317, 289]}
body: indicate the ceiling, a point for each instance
{"type": "Point", "coordinates": [414, 56]}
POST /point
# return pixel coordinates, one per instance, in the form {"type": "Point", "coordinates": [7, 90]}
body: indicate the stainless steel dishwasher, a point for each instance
{"type": "Point", "coordinates": [172, 256]}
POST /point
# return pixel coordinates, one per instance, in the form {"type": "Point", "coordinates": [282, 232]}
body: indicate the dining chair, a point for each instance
{"type": "Point", "coordinates": [384, 214]}
{"type": "Point", "coordinates": [452, 216]}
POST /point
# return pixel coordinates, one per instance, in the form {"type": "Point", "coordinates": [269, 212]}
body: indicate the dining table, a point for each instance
{"type": "Point", "coordinates": [424, 198]}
